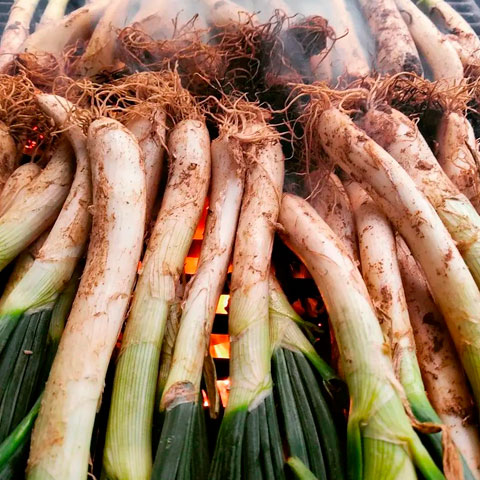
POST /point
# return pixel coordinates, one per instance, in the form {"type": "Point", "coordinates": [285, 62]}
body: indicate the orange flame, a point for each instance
{"type": "Point", "coordinates": [206, 402]}
{"type": "Point", "coordinates": [219, 345]}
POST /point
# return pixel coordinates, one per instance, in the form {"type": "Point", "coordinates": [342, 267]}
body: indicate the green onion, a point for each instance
{"type": "Point", "coordinates": [440, 54]}
{"type": "Point", "coordinates": [58, 256]}
{"type": "Point", "coordinates": [442, 372]}
{"type": "Point", "coordinates": [451, 283]}
{"type": "Point", "coordinates": [128, 448]}
{"type": "Point", "coordinates": [77, 377]}
{"type": "Point", "coordinates": [380, 440]}
{"type": "Point", "coordinates": [249, 442]}
{"type": "Point", "coordinates": [401, 138]}
{"type": "Point", "coordinates": [37, 208]}
{"type": "Point", "coordinates": [14, 448]}
{"type": "Point", "coordinates": [182, 389]}
{"type": "Point", "coordinates": [307, 421]}
{"type": "Point", "coordinates": [381, 272]}
{"type": "Point", "coordinates": [16, 183]}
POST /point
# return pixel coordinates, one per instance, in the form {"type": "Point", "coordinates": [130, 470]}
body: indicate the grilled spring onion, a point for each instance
{"type": "Point", "coordinates": [14, 448]}
{"type": "Point", "coordinates": [396, 51]}
{"type": "Point", "coordinates": [99, 54]}
{"type": "Point", "coordinates": [452, 285]}
{"type": "Point", "coordinates": [440, 54]}
{"type": "Point", "coordinates": [441, 369]}
{"type": "Point", "coordinates": [349, 58]}
{"type": "Point", "coordinates": [128, 447]}
{"type": "Point", "coordinates": [37, 208]}
{"type": "Point", "coordinates": [458, 154]}
{"type": "Point", "coordinates": [16, 183]}
{"type": "Point", "coordinates": [181, 399]}
{"type": "Point", "coordinates": [329, 199]}
{"type": "Point", "coordinates": [150, 131]}
{"type": "Point", "coordinates": [9, 159]}
{"type": "Point", "coordinates": [381, 273]}
{"type": "Point", "coordinates": [54, 11]}
{"type": "Point", "coordinates": [307, 422]}
{"type": "Point", "coordinates": [57, 258]}
{"type": "Point", "coordinates": [400, 137]}
{"type": "Point", "coordinates": [52, 39]}
{"type": "Point", "coordinates": [16, 31]}
{"type": "Point", "coordinates": [61, 437]}
{"type": "Point", "coordinates": [380, 440]}
{"type": "Point", "coordinates": [459, 32]}
{"type": "Point", "coordinates": [249, 443]}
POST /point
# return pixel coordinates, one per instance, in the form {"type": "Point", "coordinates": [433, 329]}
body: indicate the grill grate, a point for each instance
{"type": "Point", "coordinates": [470, 11]}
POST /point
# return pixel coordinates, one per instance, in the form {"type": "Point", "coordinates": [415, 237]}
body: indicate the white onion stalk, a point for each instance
{"type": "Point", "coordinates": [100, 52]}
{"type": "Point", "coordinates": [22, 265]}
{"type": "Point", "coordinates": [58, 257]}
{"type": "Point", "coordinates": [400, 137]}
{"type": "Point", "coordinates": [151, 132]}
{"type": "Point", "coordinates": [381, 273]}
{"type": "Point", "coordinates": [441, 369]}
{"type": "Point", "coordinates": [54, 11]}
{"type": "Point", "coordinates": [395, 49]}
{"type": "Point", "coordinates": [458, 154]}
{"type": "Point", "coordinates": [460, 33]}
{"type": "Point", "coordinates": [9, 160]}
{"type": "Point", "coordinates": [182, 389]}
{"type": "Point", "coordinates": [16, 31]}
{"type": "Point", "coordinates": [128, 447]}
{"type": "Point", "coordinates": [381, 442]}
{"type": "Point", "coordinates": [330, 200]}
{"type": "Point", "coordinates": [349, 59]}
{"type": "Point", "coordinates": [251, 384]}
{"type": "Point", "coordinates": [37, 208]}
{"type": "Point", "coordinates": [452, 284]}
{"type": "Point", "coordinates": [61, 437]}
{"type": "Point", "coordinates": [55, 37]}
{"type": "Point", "coordinates": [434, 46]}
{"type": "Point", "coordinates": [16, 183]}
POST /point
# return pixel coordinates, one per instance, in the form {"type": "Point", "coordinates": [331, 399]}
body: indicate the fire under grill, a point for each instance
{"type": "Point", "coordinates": [355, 289]}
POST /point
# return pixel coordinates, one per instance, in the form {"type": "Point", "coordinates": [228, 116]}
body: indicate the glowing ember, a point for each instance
{"type": "Point", "coordinates": [219, 345]}
{"type": "Point", "coordinates": [302, 272]}
{"type": "Point", "coordinates": [33, 142]}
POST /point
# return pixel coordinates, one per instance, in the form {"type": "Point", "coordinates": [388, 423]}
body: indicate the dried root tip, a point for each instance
{"type": "Point", "coordinates": [412, 94]}
{"type": "Point", "coordinates": [246, 121]}
{"type": "Point", "coordinates": [147, 90]}
{"type": "Point", "coordinates": [41, 68]}
{"type": "Point", "coordinates": [199, 64]}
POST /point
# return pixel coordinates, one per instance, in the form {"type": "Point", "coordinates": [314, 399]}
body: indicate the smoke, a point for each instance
{"type": "Point", "coordinates": [343, 15]}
